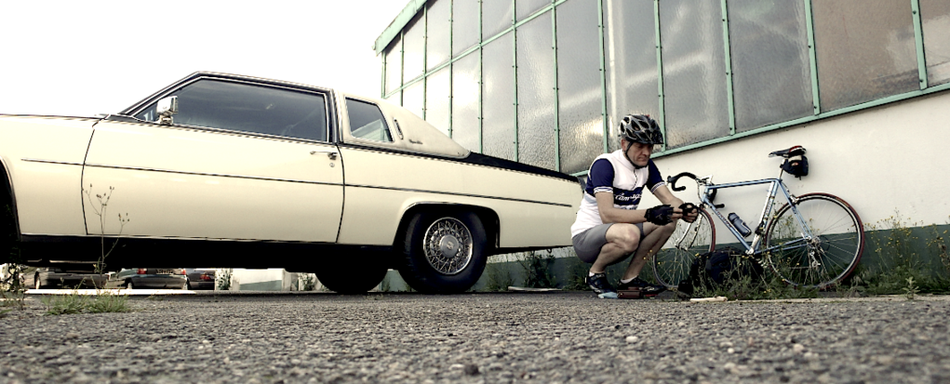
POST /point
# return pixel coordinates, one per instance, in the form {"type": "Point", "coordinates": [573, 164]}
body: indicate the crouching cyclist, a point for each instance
{"type": "Point", "coordinates": [609, 226]}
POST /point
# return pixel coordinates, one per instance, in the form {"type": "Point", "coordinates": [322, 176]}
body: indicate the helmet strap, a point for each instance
{"type": "Point", "coordinates": [630, 144]}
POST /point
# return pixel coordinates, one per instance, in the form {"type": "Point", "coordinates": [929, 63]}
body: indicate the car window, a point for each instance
{"type": "Point", "coordinates": [249, 108]}
{"type": "Point", "coordinates": [367, 122]}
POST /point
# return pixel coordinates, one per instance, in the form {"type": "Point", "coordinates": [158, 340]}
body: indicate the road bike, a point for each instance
{"type": "Point", "coordinates": [814, 240]}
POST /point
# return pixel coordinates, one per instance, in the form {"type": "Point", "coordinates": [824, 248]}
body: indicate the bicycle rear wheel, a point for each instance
{"type": "Point", "coordinates": [671, 264]}
{"type": "Point", "coordinates": [829, 255]}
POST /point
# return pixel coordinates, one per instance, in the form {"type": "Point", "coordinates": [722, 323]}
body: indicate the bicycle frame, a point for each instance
{"type": "Point", "coordinates": [775, 185]}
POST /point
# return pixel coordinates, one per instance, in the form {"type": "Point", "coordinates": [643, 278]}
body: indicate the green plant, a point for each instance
{"type": "Point", "coordinates": [75, 303]}
{"type": "Point", "coordinates": [499, 278]}
{"type": "Point", "coordinates": [306, 282]}
{"type": "Point", "coordinates": [223, 280]}
{"type": "Point", "coordinates": [106, 301]}
{"type": "Point", "coordinates": [897, 245]}
{"type": "Point", "coordinates": [537, 270]}
{"type": "Point", "coordinates": [911, 289]}
{"type": "Point", "coordinates": [577, 280]}
{"type": "Point", "coordinates": [13, 291]}
{"type": "Point", "coordinates": [69, 304]}
{"type": "Point", "coordinates": [103, 199]}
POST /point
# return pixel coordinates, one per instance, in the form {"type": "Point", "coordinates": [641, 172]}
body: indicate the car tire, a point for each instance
{"type": "Point", "coordinates": [443, 252]}
{"type": "Point", "coordinates": [129, 285]}
{"type": "Point", "coordinates": [355, 273]}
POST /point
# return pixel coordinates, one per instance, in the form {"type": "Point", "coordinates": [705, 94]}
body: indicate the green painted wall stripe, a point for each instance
{"type": "Point", "coordinates": [557, 94]}
{"type": "Point", "coordinates": [812, 58]}
{"type": "Point", "coordinates": [727, 47]}
{"type": "Point", "coordinates": [661, 95]}
{"type": "Point", "coordinates": [601, 25]}
{"type": "Point", "coordinates": [919, 39]}
{"type": "Point", "coordinates": [514, 67]}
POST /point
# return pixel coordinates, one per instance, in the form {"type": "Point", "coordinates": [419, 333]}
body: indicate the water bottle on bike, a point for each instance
{"type": "Point", "coordinates": [740, 225]}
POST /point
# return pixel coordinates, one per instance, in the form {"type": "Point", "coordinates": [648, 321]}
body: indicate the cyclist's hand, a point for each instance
{"type": "Point", "coordinates": [660, 214]}
{"type": "Point", "coordinates": [690, 212]}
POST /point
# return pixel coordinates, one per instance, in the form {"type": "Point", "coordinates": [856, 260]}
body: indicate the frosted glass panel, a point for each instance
{"type": "Point", "coordinates": [437, 100]}
{"type": "Point", "coordinates": [497, 16]}
{"type": "Point", "coordinates": [464, 25]}
{"type": "Point", "coordinates": [865, 49]}
{"type": "Point", "coordinates": [393, 57]}
{"type": "Point", "coordinates": [632, 74]}
{"type": "Point", "coordinates": [437, 38]}
{"type": "Point", "coordinates": [498, 129]}
{"type": "Point", "coordinates": [581, 121]}
{"type": "Point", "coordinates": [527, 7]}
{"type": "Point", "coordinates": [465, 89]}
{"type": "Point", "coordinates": [936, 20]}
{"type": "Point", "coordinates": [694, 73]}
{"type": "Point", "coordinates": [414, 46]}
{"type": "Point", "coordinates": [536, 93]}
{"type": "Point", "coordinates": [771, 70]}
{"type": "Point", "coordinates": [412, 98]}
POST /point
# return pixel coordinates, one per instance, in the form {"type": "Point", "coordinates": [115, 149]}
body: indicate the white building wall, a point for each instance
{"type": "Point", "coordinates": [892, 158]}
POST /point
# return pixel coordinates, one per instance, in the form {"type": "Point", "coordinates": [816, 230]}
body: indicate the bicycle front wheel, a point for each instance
{"type": "Point", "coordinates": [672, 263]}
{"type": "Point", "coordinates": [823, 255]}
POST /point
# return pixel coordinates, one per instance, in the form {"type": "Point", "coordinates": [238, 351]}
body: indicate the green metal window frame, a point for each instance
{"type": "Point", "coordinates": [396, 29]}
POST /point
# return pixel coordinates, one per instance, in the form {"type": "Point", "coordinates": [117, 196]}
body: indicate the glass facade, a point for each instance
{"type": "Point", "coordinates": [543, 82]}
{"type": "Point", "coordinates": [936, 27]}
{"type": "Point", "coordinates": [866, 50]}
{"type": "Point", "coordinates": [536, 100]}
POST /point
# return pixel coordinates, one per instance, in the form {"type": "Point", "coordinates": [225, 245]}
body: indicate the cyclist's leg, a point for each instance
{"type": "Point", "coordinates": [622, 240]}
{"type": "Point", "coordinates": [656, 236]}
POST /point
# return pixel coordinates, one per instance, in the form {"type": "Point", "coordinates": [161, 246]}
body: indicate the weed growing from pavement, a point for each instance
{"type": "Point", "coordinates": [306, 282]}
{"type": "Point", "coordinates": [537, 270]}
{"type": "Point", "coordinates": [898, 249]}
{"type": "Point", "coordinates": [103, 199]}
{"type": "Point", "coordinates": [74, 303]}
{"type": "Point", "coordinates": [223, 281]}
{"type": "Point", "coordinates": [499, 278]}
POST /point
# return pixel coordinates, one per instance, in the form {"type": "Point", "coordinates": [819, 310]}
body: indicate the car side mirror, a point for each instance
{"type": "Point", "coordinates": [166, 108]}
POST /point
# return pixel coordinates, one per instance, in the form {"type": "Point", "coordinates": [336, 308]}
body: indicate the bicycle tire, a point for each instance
{"type": "Point", "coordinates": [672, 263]}
{"type": "Point", "coordinates": [826, 260]}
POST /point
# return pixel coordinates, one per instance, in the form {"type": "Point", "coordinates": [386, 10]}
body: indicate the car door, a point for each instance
{"type": "Point", "coordinates": [240, 161]}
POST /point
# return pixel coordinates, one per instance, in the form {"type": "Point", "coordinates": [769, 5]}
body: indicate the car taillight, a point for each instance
{"type": "Point", "coordinates": [207, 277]}
{"type": "Point", "coordinates": [142, 271]}
{"type": "Point", "coordinates": [183, 272]}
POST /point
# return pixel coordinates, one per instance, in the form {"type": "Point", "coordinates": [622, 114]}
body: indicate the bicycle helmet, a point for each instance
{"type": "Point", "coordinates": [640, 129]}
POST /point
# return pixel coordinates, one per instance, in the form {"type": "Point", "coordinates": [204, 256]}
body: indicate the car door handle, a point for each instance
{"type": "Point", "coordinates": [331, 153]}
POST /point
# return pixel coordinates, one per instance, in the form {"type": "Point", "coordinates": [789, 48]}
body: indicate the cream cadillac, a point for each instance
{"type": "Point", "coordinates": [235, 171]}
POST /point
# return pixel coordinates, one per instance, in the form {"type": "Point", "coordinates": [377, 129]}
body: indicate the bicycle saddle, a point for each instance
{"type": "Point", "coordinates": [797, 150]}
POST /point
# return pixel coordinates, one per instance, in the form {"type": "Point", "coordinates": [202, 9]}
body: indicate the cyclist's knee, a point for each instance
{"type": "Point", "coordinates": [626, 236]}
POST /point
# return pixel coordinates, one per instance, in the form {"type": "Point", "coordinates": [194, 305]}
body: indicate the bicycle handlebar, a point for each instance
{"type": "Point", "coordinates": [672, 180]}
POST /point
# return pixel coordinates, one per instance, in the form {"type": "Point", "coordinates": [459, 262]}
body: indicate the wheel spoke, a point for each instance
{"type": "Point", "coordinates": [448, 246]}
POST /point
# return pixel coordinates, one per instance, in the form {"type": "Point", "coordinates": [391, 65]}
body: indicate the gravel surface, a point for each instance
{"type": "Point", "coordinates": [480, 338]}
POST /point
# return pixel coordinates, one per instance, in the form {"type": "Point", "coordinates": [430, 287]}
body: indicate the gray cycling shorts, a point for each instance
{"type": "Point", "coordinates": [587, 244]}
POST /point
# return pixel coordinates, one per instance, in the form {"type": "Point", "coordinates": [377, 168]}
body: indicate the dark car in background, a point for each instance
{"type": "Point", "coordinates": [200, 278]}
{"type": "Point", "coordinates": [65, 276]}
{"type": "Point", "coordinates": [153, 278]}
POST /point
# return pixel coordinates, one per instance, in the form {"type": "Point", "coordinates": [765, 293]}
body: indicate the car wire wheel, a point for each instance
{"type": "Point", "coordinates": [448, 245]}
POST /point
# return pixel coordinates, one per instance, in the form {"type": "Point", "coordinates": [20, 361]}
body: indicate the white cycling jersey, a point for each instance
{"type": "Point", "coordinates": [612, 172]}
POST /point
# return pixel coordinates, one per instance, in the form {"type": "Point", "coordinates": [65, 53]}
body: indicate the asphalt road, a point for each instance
{"type": "Point", "coordinates": [480, 338]}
